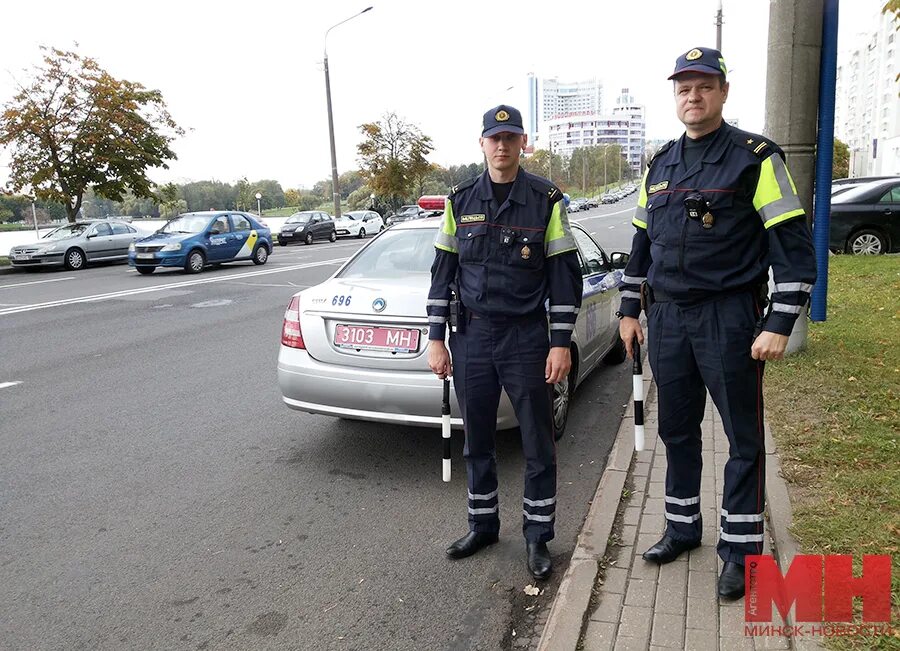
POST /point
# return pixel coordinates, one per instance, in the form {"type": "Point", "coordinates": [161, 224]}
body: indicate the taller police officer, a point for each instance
{"type": "Point", "coordinates": [717, 208]}
{"type": "Point", "coordinates": [505, 246]}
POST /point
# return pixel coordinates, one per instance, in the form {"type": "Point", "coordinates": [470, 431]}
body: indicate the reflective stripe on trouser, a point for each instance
{"type": "Point", "coordinates": [487, 357]}
{"type": "Point", "coordinates": [691, 350]}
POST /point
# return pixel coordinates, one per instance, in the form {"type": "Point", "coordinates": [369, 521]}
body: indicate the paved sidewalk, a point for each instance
{"type": "Point", "coordinates": [611, 599]}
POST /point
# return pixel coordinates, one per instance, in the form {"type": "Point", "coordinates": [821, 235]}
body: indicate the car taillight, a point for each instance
{"type": "Point", "coordinates": [290, 330]}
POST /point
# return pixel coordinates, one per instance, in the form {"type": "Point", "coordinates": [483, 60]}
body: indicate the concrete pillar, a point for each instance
{"type": "Point", "coordinates": [792, 101]}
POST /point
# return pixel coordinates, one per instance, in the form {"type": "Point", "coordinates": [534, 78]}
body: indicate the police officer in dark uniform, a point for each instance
{"type": "Point", "coordinates": [717, 208]}
{"type": "Point", "coordinates": [506, 247]}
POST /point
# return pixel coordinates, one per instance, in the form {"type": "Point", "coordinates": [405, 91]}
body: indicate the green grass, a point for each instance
{"type": "Point", "coordinates": [19, 226]}
{"type": "Point", "coordinates": [835, 415]}
{"type": "Point", "coordinates": [4, 261]}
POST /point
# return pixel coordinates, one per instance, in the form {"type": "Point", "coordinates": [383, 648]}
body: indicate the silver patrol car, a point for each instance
{"type": "Point", "coordinates": [355, 346]}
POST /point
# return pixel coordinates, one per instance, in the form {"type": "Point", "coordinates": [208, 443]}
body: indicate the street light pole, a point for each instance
{"type": "Point", "coordinates": [335, 188]}
{"type": "Point", "coordinates": [34, 217]}
{"type": "Point", "coordinates": [258, 205]}
{"type": "Point", "coordinates": [550, 168]}
{"type": "Point", "coordinates": [719, 27]}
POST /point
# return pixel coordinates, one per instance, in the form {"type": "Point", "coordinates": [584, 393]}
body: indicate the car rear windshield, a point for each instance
{"type": "Point", "coordinates": [394, 254]}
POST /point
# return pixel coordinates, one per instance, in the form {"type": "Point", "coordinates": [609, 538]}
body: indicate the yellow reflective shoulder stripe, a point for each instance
{"type": "Point", "coordinates": [784, 217]}
{"type": "Point", "coordinates": [445, 240]}
{"type": "Point", "coordinates": [640, 217]}
{"type": "Point", "coordinates": [642, 196]}
{"type": "Point", "coordinates": [776, 197]}
{"type": "Point", "coordinates": [558, 225]}
{"type": "Point", "coordinates": [558, 236]}
{"type": "Point", "coordinates": [449, 224]}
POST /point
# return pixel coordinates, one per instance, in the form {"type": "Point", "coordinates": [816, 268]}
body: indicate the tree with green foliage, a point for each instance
{"type": "Point", "coordinates": [291, 197]}
{"type": "Point", "coordinates": [308, 202]}
{"type": "Point", "coordinates": [840, 163]}
{"type": "Point", "coordinates": [74, 127]}
{"type": "Point", "coordinates": [170, 200]}
{"type": "Point", "coordinates": [272, 194]}
{"type": "Point", "coordinates": [393, 156]}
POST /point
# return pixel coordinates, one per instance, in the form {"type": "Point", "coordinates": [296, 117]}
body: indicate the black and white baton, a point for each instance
{"type": "Point", "coordinates": [638, 384]}
{"type": "Point", "coordinates": [445, 427]}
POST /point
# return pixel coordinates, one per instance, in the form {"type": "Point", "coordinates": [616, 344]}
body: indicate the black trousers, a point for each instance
{"type": "Point", "coordinates": [693, 350]}
{"type": "Point", "coordinates": [488, 356]}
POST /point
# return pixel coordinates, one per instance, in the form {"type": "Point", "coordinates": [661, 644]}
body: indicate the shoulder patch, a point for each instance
{"type": "Point", "coordinates": [462, 186]}
{"type": "Point", "coordinates": [544, 187]}
{"type": "Point", "coordinates": [662, 150]}
{"type": "Point", "coordinates": [761, 147]}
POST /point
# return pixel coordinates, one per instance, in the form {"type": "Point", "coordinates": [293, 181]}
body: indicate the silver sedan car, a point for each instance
{"type": "Point", "coordinates": [355, 346]}
{"type": "Point", "coordinates": [74, 245]}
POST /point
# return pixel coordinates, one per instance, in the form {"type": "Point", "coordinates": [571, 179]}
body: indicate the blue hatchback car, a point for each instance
{"type": "Point", "coordinates": [193, 240]}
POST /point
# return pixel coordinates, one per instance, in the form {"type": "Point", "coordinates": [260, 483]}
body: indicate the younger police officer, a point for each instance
{"type": "Point", "coordinates": [717, 208]}
{"type": "Point", "coordinates": [506, 247]}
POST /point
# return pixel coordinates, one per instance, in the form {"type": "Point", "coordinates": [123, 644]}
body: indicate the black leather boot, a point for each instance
{"type": "Point", "coordinates": [471, 543]}
{"type": "Point", "coordinates": [539, 563]}
{"type": "Point", "coordinates": [668, 549]}
{"type": "Point", "coordinates": [731, 581]}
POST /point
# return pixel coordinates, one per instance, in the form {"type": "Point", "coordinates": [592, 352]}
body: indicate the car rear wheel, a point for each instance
{"type": "Point", "coordinates": [362, 233]}
{"type": "Point", "coordinates": [562, 396]}
{"type": "Point", "coordinates": [74, 259]}
{"type": "Point", "coordinates": [146, 271]}
{"type": "Point", "coordinates": [867, 242]}
{"type": "Point", "coordinates": [333, 236]}
{"type": "Point", "coordinates": [260, 254]}
{"type": "Point", "coordinates": [195, 261]}
{"type": "Point", "coordinates": [309, 238]}
{"type": "Point", "coordinates": [617, 353]}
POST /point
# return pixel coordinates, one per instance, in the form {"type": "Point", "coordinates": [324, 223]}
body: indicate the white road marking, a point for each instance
{"type": "Point", "coordinates": [272, 285]}
{"type": "Point", "coordinates": [165, 287]}
{"type": "Point", "coordinates": [610, 227]}
{"type": "Point", "coordinates": [609, 214]}
{"type": "Point", "coordinates": [37, 282]}
{"type": "Point", "coordinates": [4, 385]}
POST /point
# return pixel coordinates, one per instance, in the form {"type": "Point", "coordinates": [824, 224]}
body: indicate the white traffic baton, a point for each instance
{"type": "Point", "coordinates": [638, 385]}
{"type": "Point", "coordinates": [445, 427]}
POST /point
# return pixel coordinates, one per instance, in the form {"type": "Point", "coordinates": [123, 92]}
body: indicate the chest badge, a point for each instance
{"type": "Point", "coordinates": [526, 252]}
{"type": "Point", "coordinates": [657, 187]}
{"type": "Point", "coordinates": [708, 220]}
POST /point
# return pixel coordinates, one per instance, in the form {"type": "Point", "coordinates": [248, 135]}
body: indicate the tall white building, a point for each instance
{"type": "Point", "coordinates": [564, 98]}
{"type": "Point", "coordinates": [867, 108]}
{"type": "Point", "coordinates": [623, 126]}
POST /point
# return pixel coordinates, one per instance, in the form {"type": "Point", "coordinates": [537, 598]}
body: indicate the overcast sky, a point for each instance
{"type": "Point", "coordinates": [246, 80]}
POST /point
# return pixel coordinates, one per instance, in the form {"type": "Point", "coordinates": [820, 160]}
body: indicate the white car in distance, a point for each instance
{"type": "Point", "coordinates": [359, 223]}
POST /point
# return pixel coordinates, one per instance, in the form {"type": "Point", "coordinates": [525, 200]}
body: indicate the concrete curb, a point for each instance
{"type": "Point", "coordinates": [563, 628]}
{"type": "Point", "coordinates": [781, 517]}
{"type": "Point", "coordinates": [565, 621]}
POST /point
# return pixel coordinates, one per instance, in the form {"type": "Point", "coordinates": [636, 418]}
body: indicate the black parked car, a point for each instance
{"type": "Point", "coordinates": [307, 226]}
{"type": "Point", "coordinates": [866, 219]}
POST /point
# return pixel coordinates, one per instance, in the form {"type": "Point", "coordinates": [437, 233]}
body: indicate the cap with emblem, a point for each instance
{"type": "Point", "coordinates": [700, 59]}
{"type": "Point", "coordinates": [502, 118]}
